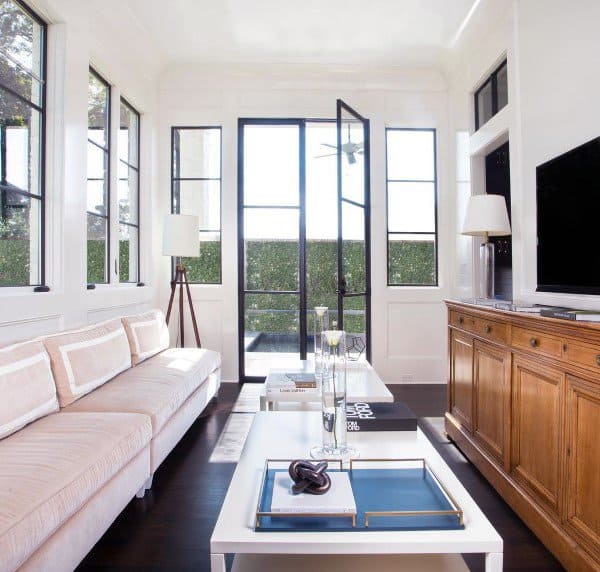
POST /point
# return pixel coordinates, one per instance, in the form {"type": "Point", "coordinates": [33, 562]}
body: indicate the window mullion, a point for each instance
{"type": "Point", "coordinates": [113, 185]}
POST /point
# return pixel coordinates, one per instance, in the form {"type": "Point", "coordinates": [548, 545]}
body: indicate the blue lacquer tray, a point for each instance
{"type": "Point", "coordinates": [390, 494]}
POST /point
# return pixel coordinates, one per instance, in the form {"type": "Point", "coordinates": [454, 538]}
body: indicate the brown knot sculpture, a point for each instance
{"type": "Point", "coordinates": [309, 478]}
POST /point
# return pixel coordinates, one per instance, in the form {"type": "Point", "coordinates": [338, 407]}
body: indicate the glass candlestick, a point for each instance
{"type": "Point", "coordinates": [333, 399]}
{"type": "Point", "coordinates": [321, 323]}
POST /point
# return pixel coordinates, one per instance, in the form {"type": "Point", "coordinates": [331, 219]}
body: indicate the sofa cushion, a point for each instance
{"type": "Point", "coordinates": [147, 333]}
{"type": "Point", "coordinates": [156, 387]}
{"type": "Point", "coordinates": [85, 359]}
{"type": "Point", "coordinates": [27, 390]}
{"type": "Point", "coordinates": [51, 468]}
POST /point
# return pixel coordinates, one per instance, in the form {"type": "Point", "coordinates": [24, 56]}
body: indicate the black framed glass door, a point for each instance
{"type": "Point", "coordinates": [354, 272]}
{"type": "Point", "coordinates": [289, 241]}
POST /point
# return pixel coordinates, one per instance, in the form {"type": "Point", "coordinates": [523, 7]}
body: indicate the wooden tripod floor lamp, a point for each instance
{"type": "Point", "coordinates": [180, 238]}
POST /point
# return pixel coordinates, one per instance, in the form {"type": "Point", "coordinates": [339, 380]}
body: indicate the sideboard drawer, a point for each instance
{"type": "Point", "coordinates": [462, 321]}
{"type": "Point", "coordinates": [537, 342]}
{"type": "Point", "coordinates": [493, 331]}
{"type": "Point", "coordinates": [582, 354]}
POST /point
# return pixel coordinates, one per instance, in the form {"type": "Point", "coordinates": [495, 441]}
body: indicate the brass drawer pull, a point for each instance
{"type": "Point", "coordinates": [598, 359]}
{"type": "Point", "coordinates": [533, 342]}
{"type": "Point", "coordinates": [461, 320]}
{"type": "Point", "coordinates": [488, 329]}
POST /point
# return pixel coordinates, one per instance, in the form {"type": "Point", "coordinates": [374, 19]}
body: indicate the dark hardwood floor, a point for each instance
{"type": "Point", "coordinates": [170, 528]}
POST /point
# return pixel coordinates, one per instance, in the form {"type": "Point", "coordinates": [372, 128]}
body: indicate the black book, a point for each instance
{"type": "Point", "coordinates": [557, 312]}
{"type": "Point", "coordinates": [380, 417]}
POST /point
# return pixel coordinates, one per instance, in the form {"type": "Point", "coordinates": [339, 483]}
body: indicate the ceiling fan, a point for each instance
{"type": "Point", "coordinates": [349, 149]}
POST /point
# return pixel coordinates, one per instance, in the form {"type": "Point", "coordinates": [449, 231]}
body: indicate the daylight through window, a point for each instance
{"type": "Point", "coordinates": [22, 102]}
{"type": "Point", "coordinates": [98, 177]}
{"type": "Point", "coordinates": [411, 207]}
{"type": "Point", "coordinates": [196, 190]}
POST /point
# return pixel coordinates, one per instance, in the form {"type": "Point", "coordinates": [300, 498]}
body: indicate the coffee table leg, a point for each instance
{"type": "Point", "coordinates": [493, 562]}
{"type": "Point", "coordinates": [217, 563]}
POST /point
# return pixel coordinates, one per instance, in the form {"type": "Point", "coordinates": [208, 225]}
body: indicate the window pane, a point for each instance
{"type": "Point", "coordinates": [201, 198]}
{"type": "Point", "coordinates": [21, 56]}
{"type": "Point", "coordinates": [128, 253]}
{"type": "Point", "coordinates": [411, 259]}
{"type": "Point", "coordinates": [128, 135]}
{"type": "Point", "coordinates": [353, 250]}
{"type": "Point", "coordinates": [198, 153]}
{"type": "Point", "coordinates": [271, 165]}
{"type": "Point", "coordinates": [96, 249]}
{"type": "Point", "coordinates": [128, 197]}
{"type": "Point", "coordinates": [353, 162]}
{"type": "Point", "coordinates": [272, 323]}
{"type": "Point", "coordinates": [206, 268]}
{"type": "Point", "coordinates": [355, 325]}
{"type": "Point", "coordinates": [95, 197]}
{"type": "Point", "coordinates": [502, 83]}
{"type": "Point", "coordinates": [21, 128]}
{"type": "Point", "coordinates": [484, 104]}
{"type": "Point", "coordinates": [411, 207]}
{"type": "Point", "coordinates": [410, 155]}
{"type": "Point", "coordinates": [98, 110]}
{"type": "Point", "coordinates": [19, 239]}
{"type": "Point", "coordinates": [271, 244]}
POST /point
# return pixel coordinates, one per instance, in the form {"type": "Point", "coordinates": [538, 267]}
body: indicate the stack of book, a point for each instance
{"type": "Point", "coordinates": [290, 382]}
{"type": "Point", "coordinates": [569, 314]}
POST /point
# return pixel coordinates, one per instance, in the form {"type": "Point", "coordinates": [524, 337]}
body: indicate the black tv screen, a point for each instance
{"type": "Point", "coordinates": [568, 221]}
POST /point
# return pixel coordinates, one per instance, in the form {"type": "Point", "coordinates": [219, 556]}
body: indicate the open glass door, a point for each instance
{"type": "Point", "coordinates": [354, 276]}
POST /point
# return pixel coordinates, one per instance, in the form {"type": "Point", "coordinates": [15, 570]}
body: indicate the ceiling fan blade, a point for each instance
{"type": "Point", "coordinates": [329, 145]}
{"type": "Point", "coordinates": [327, 155]}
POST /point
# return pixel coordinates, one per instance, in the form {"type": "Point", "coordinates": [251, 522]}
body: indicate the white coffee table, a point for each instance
{"type": "Point", "coordinates": [288, 435]}
{"type": "Point", "coordinates": [363, 385]}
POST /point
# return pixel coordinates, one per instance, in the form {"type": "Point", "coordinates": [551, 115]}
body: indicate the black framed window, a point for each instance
{"type": "Point", "coordinates": [492, 96]}
{"type": "Point", "coordinates": [98, 179]}
{"type": "Point", "coordinates": [129, 193]}
{"type": "Point", "coordinates": [411, 181]}
{"type": "Point", "coordinates": [22, 134]}
{"type": "Point", "coordinates": [196, 190]}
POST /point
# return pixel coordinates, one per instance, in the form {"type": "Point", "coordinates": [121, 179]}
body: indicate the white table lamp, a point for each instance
{"type": "Point", "coordinates": [180, 238]}
{"type": "Point", "coordinates": [486, 216]}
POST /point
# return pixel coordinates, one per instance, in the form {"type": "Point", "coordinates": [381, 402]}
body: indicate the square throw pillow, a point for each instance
{"type": "Point", "coordinates": [147, 333]}
{"type": "Point", "coordinates": [85, 359]}
{"type": "Point", "coordinates": [27, 390]}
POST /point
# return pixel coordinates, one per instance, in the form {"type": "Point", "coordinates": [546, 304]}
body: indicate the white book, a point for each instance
{"type": "Point", "coordinates": [338, 499]}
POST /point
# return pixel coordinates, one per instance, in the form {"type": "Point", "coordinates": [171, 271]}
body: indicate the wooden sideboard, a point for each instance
{"type": "Point", "coordinates": [524, 407]}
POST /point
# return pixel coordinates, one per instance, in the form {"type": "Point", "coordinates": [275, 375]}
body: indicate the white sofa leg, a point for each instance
{"type": "Point", "coordinates": [148, 483]}
{"type": "Point", "coordinates": [140, 494]}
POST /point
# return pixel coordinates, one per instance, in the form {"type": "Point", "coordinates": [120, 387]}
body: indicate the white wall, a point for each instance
{"type": "Point", "coordinates": [409, 339]}
{"type": "Point", "coordinates": [554, 89]}
{"type": "Point", "coordinates": [104, 34]}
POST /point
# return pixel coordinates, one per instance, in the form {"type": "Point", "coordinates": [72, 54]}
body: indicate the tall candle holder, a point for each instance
{"type": "Point", "coordinates": [320, 323]}
{"type": "Point", "coordinates": [333, 399]}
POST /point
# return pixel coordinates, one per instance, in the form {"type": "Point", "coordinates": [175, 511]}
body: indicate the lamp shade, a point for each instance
{"type": "Point", "coordinates": [180, 235]}
{"type": "Point", "coordinates": [486, 216]}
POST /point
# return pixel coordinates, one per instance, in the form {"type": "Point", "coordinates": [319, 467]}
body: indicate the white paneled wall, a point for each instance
{"type": "Point", "coordinates": [208, 95]}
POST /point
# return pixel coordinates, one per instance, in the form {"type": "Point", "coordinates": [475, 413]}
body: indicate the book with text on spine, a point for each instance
{"type": "Point", "coordinates": [380, 417]}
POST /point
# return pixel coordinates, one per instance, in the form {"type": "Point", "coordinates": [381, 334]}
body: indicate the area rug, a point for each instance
{"type": "Point", "coordinates": [248, 400]}
{"type": "Point", "coordinates": [231, 441]}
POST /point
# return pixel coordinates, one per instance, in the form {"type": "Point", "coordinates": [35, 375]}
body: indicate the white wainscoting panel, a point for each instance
{"type": "Point", "coordinates": [416, 342]}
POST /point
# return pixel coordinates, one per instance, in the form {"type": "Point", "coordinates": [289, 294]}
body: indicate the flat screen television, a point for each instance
{"type": "Point", "coordinates": [568, 221]}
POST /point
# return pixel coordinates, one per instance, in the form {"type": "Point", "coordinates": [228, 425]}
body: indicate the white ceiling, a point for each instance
{"type": "Point", "coordinates": [380, 32]}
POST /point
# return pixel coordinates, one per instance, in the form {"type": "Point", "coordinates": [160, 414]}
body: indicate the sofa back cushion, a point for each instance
{"type": "Point", "coordinates": [85, 359]}
{"type": "Point", "coordinates": [147, 334]}
{"type": "Point", "coordinates": [27, 390]}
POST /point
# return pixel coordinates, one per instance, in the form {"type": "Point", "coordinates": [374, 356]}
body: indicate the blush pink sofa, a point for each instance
{"type": "Point", "coordinates": [86, 418]}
